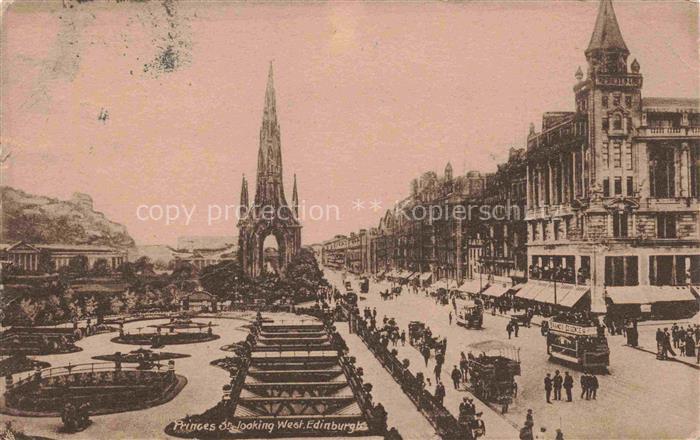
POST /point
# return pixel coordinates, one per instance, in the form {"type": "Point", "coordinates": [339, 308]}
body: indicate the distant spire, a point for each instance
{"type": "Point", "coordinates": [448, 171]}
{"type": "Point", "coordinates": [295, 197]}
{"type": "Point", "coordinates": [244, 193]}
{"type": "Point", "coordinates": [606, 33]}
{"type": "Point", "coordinates": [270, 111]}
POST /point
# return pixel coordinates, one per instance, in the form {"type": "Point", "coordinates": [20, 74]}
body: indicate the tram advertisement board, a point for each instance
{"type": "Point", "coordinates": [573, 329]}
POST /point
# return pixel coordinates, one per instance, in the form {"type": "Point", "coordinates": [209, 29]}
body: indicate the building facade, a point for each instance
{"type": "Point", "coordinates": [613, 185]}
{"type": "Point", "coordinates": [601, 208]}
{"type": "Point", "coordinates": [28, 256]}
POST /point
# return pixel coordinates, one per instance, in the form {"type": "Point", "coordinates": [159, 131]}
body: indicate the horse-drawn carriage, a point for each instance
{"type": "Point", "coordinates": [492, 371]}
{"type": "Point", "coordinates": [419, 335]}
{"type": "Point", "coordinates": [470, 314]}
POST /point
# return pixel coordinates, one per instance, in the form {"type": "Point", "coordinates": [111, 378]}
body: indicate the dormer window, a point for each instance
{"type": "Point", "coordinates": [628, 101]}
{"type": "Point", "coordinates": [605, 101]}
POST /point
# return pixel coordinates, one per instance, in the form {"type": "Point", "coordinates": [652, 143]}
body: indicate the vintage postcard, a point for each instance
{"type": "Point", "coordinates": [349, 219]}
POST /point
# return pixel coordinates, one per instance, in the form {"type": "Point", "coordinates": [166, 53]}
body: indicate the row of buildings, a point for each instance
{"type": "Point", "coordinates": [601, 207]}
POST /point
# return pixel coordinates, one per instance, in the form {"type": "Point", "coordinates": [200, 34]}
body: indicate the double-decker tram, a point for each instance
{"type": "Point", "coordinates": [580, 343]}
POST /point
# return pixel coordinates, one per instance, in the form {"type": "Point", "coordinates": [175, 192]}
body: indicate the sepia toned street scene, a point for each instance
{"type": "Point", "coordinates": [403, 220]}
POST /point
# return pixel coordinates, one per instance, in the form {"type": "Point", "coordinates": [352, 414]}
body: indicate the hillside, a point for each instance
{"type": "Point", "coordinates": [40, 219]}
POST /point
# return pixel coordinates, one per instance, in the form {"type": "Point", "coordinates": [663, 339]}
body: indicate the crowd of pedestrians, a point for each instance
{"type": "Point", "coordinates": [554, 385]}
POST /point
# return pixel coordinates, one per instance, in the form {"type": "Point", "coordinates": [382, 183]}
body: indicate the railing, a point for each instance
{"type": "Point", "coordinates": [669, 131]}
{"type": "Point", "coordinates": [77, 368]}
{"type": "Point", "coordinates": [437, 415]}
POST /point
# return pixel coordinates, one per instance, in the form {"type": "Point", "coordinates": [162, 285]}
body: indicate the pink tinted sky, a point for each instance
{"type": "Point", "coordinates": [369, 96]}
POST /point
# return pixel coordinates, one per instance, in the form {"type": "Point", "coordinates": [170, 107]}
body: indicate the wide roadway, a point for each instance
{"type": "Point", "coordinates": [640, 398]}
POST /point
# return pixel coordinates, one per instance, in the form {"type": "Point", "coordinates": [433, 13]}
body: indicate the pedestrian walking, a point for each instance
{"type": "Point", "coordinates": [568, 385]}
{"type": "Point", "coordinates": [403, 338]}
{"type": "Point", "coordinates": [450, 317]}
{"type": "Point", "coordinates": [585, 386]}
{"type": "Point", "coordinates": [548, 387]}
{"type": "Point", "coordinates": [437, 370]}
{"type": "Point", "coordinates": [529, 418]}
{"type": "Point", "coordinates": [557, 382]}
{"type": "Point", "coordinates": [509, 328]}
{"type": "Point", "coordinates": [593, 385]}
{"type": "Point", "coordinates": [425, 351]}
{"type": "Point", "coordinates": [439, 392]}
{"type": "Point", "coordinates": [456, 377]}
{"type": "Point", "coordinates": [516, 327]}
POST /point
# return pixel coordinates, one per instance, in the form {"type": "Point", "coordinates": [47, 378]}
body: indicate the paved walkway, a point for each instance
{"type": "Point", "coordinates": [402, 414]}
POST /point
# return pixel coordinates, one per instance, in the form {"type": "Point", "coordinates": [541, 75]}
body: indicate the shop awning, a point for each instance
{"type": "Point", "coordinates": [425, 276]}
{"type": "Point", "coordinates": [567, 295]}
{"type": "Point", "coordinates": [497, 289]}
{"type": "Point", "coordinates": [573, 296]}
{"type": "Point", "coordinates": [649, 294]}
{"type": "Point", "coordinates": [471, 286]}
{"type": "Point", "coordinates": [530, 289]}
{"type": "Point", "coordinates": [411, 276]}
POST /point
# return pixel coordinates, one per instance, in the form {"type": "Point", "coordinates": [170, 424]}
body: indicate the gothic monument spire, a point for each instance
{"type": "Point", "coordinates": [270, 190]}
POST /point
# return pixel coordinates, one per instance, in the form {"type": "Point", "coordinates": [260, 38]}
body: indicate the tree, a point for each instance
{"type": "Point", "coordinates": [45, 264]}
{"type": "Point", "coordinates": [116, 305]}
{"type": "Point", "coordinates": [131, 300]}
{"type": "Point", "coordinates": [225, 280]}
{"type": "Point", "coordinates": [100, 267]}
{"type": "Point", "coordinates": [183, 272]}
{"type": "Point", "coordinates": [90, 306]}
{"type": "Point", "coordinates": [74, 309]}
{"type": "Point", "coordinates": [30, 310]}
{"type": "Point", "coordinates": [303, 276]}
{"type": "Point", "coordinates": [144, 266]}
{"type": "Point", "coordinates": [78, 265]}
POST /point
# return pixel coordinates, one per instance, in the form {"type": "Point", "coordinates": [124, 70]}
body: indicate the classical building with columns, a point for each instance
{"type": "Point", "coordinates": [613, 188]}
{"type": "Point", "coordinates": [27, 256]}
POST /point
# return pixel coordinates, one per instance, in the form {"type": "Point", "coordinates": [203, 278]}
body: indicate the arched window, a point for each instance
{"type": "Point", "coordinates": [617, 122]}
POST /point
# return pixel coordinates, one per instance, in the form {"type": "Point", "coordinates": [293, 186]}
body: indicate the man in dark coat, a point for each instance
{"type": "Point", "coordinates": [568, 385]}
{"type": "Point", "coordinates": [585, 386]}
{"type": "Point", "coordinates": [440, 392]}
{"type": "Point", "coordinates": [557, 382]}
{"type": "Point", "coordinates": [456, 376]}
{"type": "Point", "coordinates": [548, 387]}
{"type": "Point", "coordinates": [593, 385]}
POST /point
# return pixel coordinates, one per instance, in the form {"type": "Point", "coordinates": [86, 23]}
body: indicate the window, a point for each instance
{"type": "Point", "coordinates": [545, 231]}
{"type": "Point", "coordinates": [695, 171]}
{"type": "Point", "coordinates": [606, 126]}
{"type": "Point", "coordinates": [618, 186]}
{"type": "Point", "coordinates": [557, 225]}
{"type": "Point", "coordinates": [666, 225]}
{"type": "Point", "coordinates": [605, 101]}
{"type": "Point", "coordinates": [662, 175]}
{"type": "Point", "coordinates": [606, 187]}
{"type": "Point", "coordinates": [630, 186]}
{"type": "Point", "coordinates": [606, 154]}
{"type": "Point", "coordinates": [617, 155]}
{"type": "Point", "coordinates": [674, 270]}
{"type": "Point", "coordinates": [617, 122]}
{"type": "Point", "coordinates": [621, 271]}
{"type": "Point", "coordinates": [628, 101]}
{"type": "Point", "coordinates": [628, 156]}
{"type": "Point", "coordinates": [616, 99]}
{"type": "Point", "coordinates": [620, 224]}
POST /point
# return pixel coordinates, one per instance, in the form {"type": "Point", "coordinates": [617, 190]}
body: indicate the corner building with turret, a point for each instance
{"type": "Point", "coordinates": [613, 190]}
